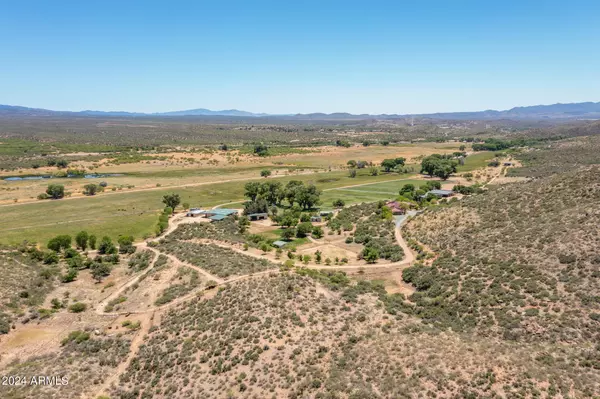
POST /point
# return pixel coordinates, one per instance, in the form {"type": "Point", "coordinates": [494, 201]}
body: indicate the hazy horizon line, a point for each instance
{"type": "Point", "coordinates": [293, 113]}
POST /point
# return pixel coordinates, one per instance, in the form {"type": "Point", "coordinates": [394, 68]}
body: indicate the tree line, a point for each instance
{"type": "Point", "coordinates": [442, 166]}
{"type": "Point", "coordinates": [262, 195]}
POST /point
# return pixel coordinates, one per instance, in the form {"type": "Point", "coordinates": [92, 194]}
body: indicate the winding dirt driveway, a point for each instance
{"type": "Point", "coordinates": [150, 316]}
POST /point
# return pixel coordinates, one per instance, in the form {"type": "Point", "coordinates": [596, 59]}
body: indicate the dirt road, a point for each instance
{"type": "Point", "coordinates": [151, 316]}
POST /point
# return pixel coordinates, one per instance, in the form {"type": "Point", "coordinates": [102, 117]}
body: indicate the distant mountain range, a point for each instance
{"type": "Point", "coordinates": [205, 112]}
{"type": "Point", "coordinates": [17, 110]}
{"type": "Point", "coordinates": [586, 110]}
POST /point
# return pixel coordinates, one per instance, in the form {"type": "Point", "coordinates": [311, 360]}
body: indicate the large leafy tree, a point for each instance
{"type": "Point", "coordinates": [55, 191]}
{"type": "Point", "coordinates": [106, 246]}
{"type": "Point", "coordinates": [261, 150]}
{"type": "Point", "coordinates": [370, 255]}
{"type": "Point", "coordinates": [291, 190]}
{"type": "Point", "coordinates": [429, 163]}
{"type": "Point", "coordinates": [92, 241]}
{"type": "Point", "coordinates": [308, 196]}
{"type": "Point", "coordinates": [271, 191]}
{"type": "Point", "coordinates": [171, 200]}
{"type": "Point", "coordinates": [90, 189]}
{"type": "Point", "coordinates": [439, 166]}
{"type": "Point", "coordinates": [289, 233]}
{"type": "Point", "coordinates": [445, 168]}
{"type": "Point", "coordinates": [252, 190]}
{"type": "Point", "coordinates": [100, 270]}
{"type": "Point", "coordinates": [389, 164]}
{"type": "Point", "coordinates": [260, 205]}
{"type": "Point", "coordinates": [60, 242]}
{"type": "Point", "coordinates": [126, 244]}
{"type": "Point", "coordinates": [288, 219]}
{"type": "Point", "coordinates": [81, 239]}
{"type": "Point", "coordinates": [304, 229]}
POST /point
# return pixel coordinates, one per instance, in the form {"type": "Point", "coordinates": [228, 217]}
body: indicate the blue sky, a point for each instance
{"type": "Point", "coordinates": [304, 56]}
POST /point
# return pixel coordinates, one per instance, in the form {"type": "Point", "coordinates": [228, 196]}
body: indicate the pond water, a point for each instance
{"type": "Point", "coordinates": [41, 177]}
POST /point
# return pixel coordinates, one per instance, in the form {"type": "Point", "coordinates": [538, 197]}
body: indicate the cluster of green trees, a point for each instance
{"type": "Point", "coordinates": [343, 143]}
{"type": "Point", "coordinates": [163, 220]}
{"type": "Point", "coordinates": [297, 224]}
{"type": "Point", "coordinates": [57, 191]}
{"type": "Point", "coordinates": [59, 243]}
{"type": "Point", "coordinates": [365, 143]}
{"type": "Point", "coordinates": [270, 193]}
{"type": "Point", "coordinates": [442, 166]}
{"type": "Point", "coordinates": [494, 144]}
{"type": "Point", "coordinates": [100, 266]}
{"type": "Point", "coordinates": [92, 189]}
{"type": "Point", "coordinates": [338, 203]}
{"type": "Point", "coordinates": [373, 234]}
{"type": "Point", "coordinates": [126, 244]}
{"type": "Point", "coordinates": [53, 191]}
{"type": "Point", "coordinates": [171, 201]}
{"type": "Point", "coordinates": [393, 164]}
{"type": "Point", "coordinates": [261, 150]}
{"type": "Point", "coordinates": [374, 230]}
{"type": "Point", "coordinates": [467, 190]}
{"type": "Point", "coordinates": [59, 163]}
{"type": "Point", "coordinates": [352, 164]}
{"type": "Point", "coordinates": [409, 192]}
{"type": "Point", "coordinates": [84, 240]}
{"type": "Point", "coordinates": [388, 165]}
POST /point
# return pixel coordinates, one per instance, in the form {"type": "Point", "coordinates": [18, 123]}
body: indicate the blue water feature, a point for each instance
{"type": "Point", "coordinates": [40, 177]}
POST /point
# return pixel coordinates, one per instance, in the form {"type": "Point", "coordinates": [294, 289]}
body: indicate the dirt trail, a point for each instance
{"type": "Point", "coordinates": [102, 304]}
{"type": "Point", "coordinates": [146, 321]}
{"type": "Point", "coordinates": [150, 317]}
{"type": "Point", "coordinates": [178, 263]}
{"type": "Point", "coordinates": [501, 173]}
{"type": "Point", "coordinates": [180, 219]}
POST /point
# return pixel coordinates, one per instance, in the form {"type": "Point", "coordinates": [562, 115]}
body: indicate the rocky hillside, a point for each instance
{"type": "Point", "coordinates": [288, 336]}
{"type": "Point", "coordinates": [522, 260]}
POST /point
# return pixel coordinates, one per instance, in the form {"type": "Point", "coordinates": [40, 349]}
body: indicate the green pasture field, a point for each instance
{"type": "Point", "coordinates": [388, 187]}
{"type": "Point", "coordinates": [475, 161]}
{"type": "Point", "coordinates": [366, 193]}
{"type": "Point", "coordinates": [181, 173]}
{"type": "Point", "coordinates": [351, 197]}
{"type": "Point", "coordinates": [136, 212]}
